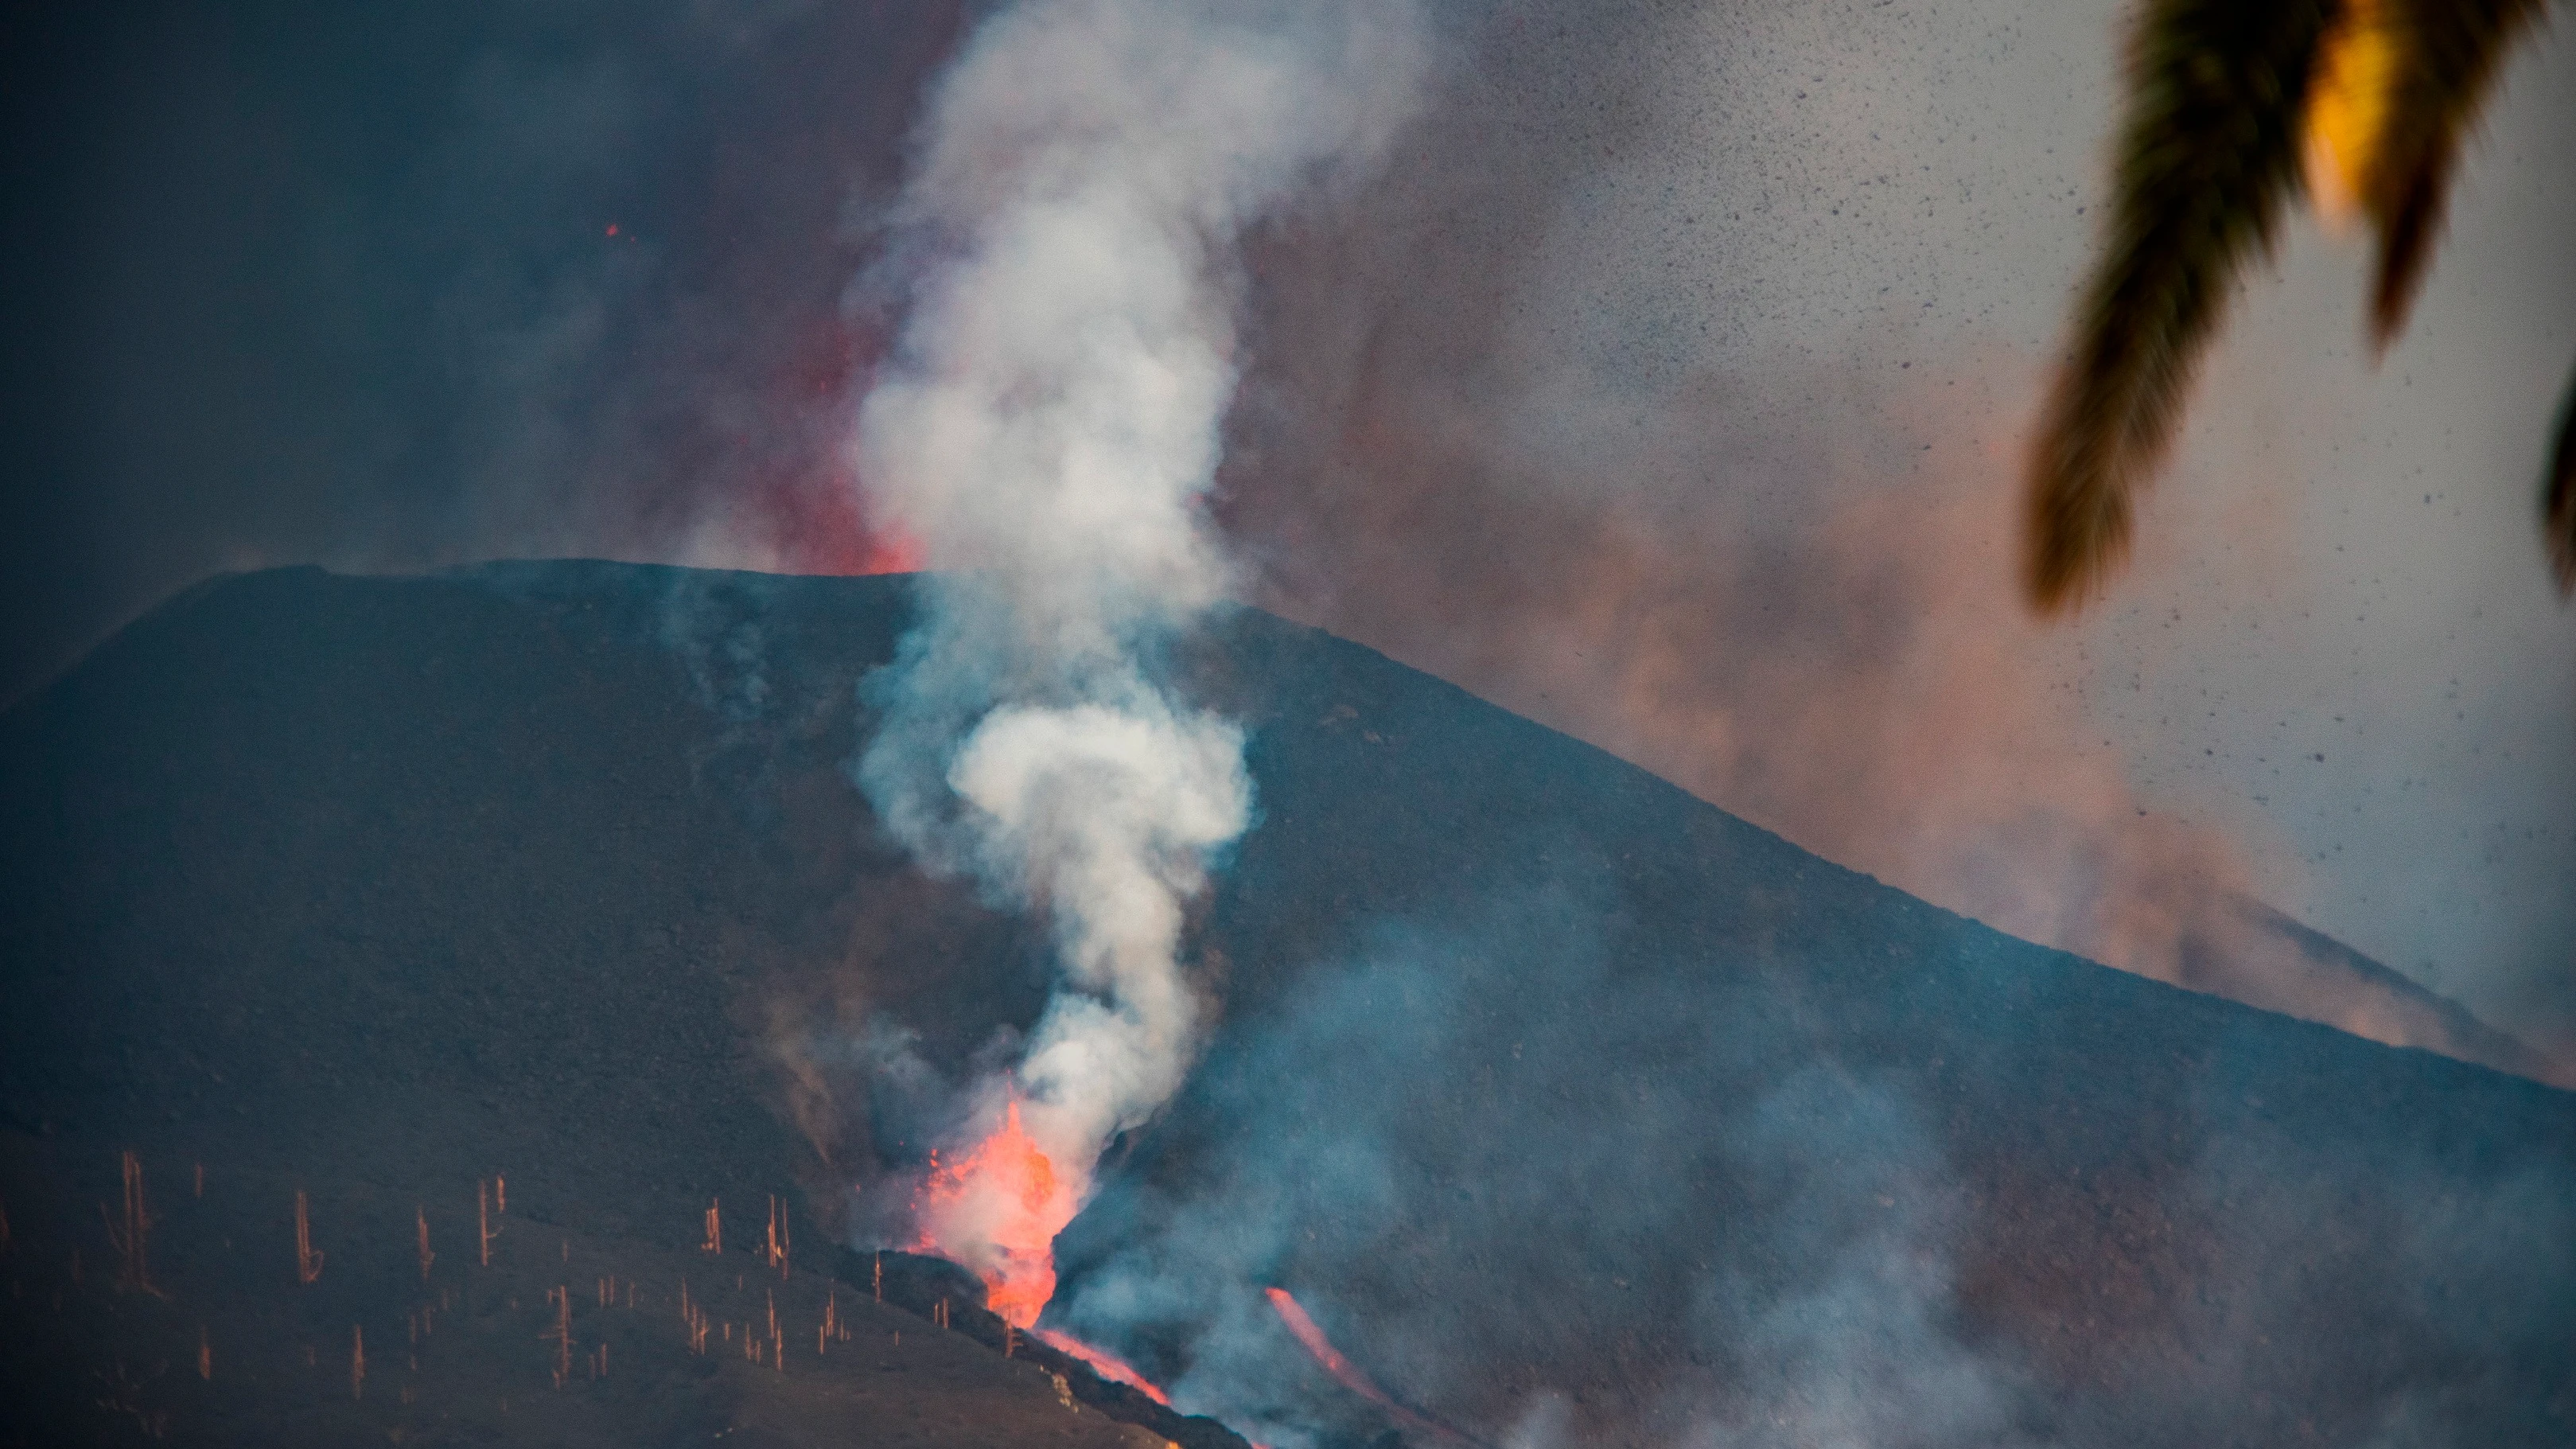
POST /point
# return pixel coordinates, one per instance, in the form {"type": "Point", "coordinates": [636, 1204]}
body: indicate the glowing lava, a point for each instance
{"type": "Point", "coordinates": [1350, 1376]}
{"type": "Point", "coordinates": [996, 1210]}
{"type": "Point", "coordinates": [1108, 1365]}
{"type": "Point", "coordinates": [1344, 1372]}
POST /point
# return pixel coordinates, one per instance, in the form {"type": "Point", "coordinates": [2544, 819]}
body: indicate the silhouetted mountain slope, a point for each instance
{"type": "Point", "coordinates": [2406, 1011]}
{"type": "Point", "coordinates": [1549, 1089]}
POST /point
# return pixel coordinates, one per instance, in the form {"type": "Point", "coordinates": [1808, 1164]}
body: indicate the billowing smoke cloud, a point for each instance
{"type": "Point", "coordinates": [1531, 1187]}
{"type": "Point", "coordinates": [1045, 430]}
{"type": "Point", "coordinates": [1566, 1185]}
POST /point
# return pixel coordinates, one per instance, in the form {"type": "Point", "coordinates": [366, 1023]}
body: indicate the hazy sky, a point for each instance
{"type": "Point", "coordinates": [1752, 299]}
{"type": "Point", "coordinates": [1773, 289]}
{"type": "Point", "coordinates": [2350, 549]}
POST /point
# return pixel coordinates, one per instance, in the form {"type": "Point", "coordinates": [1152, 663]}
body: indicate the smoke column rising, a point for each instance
{"type": "Point", "coordinates": [1045, 429]}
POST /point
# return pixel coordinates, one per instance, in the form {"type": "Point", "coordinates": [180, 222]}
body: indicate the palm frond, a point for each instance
{"type": "Point", "coordinates": [2208, 155]}
{"type": "Point", "coordinates": [2446, 55]}
{"type": "Point", "coordinates": [2558, 495]}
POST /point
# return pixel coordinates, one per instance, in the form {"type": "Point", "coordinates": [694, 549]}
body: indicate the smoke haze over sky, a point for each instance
{"type": "Point", "coordinates": [1676, 398]}
{"type": "Point", "coordinates": [1697, 338]}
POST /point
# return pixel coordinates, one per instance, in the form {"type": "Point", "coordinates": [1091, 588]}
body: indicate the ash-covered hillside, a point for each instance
{"type": "Point", "coordinates": [1568, 1105]}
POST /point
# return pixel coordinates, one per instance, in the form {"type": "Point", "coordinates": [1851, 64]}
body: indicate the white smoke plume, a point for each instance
{"type": "Point", "coordinates": [1045, 430]}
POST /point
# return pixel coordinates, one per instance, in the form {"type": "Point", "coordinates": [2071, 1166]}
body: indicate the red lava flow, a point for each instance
{"type": "Point", "coordinates": [1344, 1372]}
{"type": "Point", "coordinates": [1107, 1365]}
{"type": "Point", "coordinates": [1349, 1374]}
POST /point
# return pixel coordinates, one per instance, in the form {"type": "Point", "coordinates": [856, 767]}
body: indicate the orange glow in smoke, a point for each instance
{"type": "Point", "coordinates": [1005, 1193]}
{"type": "Point", "coordinates": [1108, 1365]}
{"type": "Point", "coordinates": [890, 550]}
{"type": "Point", "coordinates": [997, 1210]}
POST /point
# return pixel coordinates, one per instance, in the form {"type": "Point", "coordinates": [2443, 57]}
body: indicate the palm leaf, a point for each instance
{"type": "Point", "coordinates": [2445, 57]}
{"type": "Point", "coordinates": [2208, 154]}
{"type": "Point", "coordinates": [2558, 496]}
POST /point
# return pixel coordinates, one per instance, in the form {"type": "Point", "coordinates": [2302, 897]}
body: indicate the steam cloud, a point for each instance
{"type": "Point", "coordinates": [1045, 430]}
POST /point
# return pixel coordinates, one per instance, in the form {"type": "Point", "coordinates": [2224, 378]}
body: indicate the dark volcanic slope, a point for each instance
{"type": "Point", "coordinates": [1560, 1097]}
